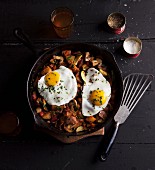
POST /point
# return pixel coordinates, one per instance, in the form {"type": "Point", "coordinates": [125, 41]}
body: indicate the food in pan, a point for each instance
{"type": "Point", "coordinates": [96, 93]}
{"type": "Point", "coordinates": [58, 87]}
{"type": "Point", "coordinates": [73, 92]}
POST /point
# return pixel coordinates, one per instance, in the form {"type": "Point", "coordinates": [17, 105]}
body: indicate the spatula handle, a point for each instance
{"type": "Point", "coordinates": [109, 143]}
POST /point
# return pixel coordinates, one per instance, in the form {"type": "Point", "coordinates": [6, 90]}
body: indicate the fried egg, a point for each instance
{"type": "Point", "coordinates": [58, 87]}
{"type": "Point", "coordinates": [96, 93]}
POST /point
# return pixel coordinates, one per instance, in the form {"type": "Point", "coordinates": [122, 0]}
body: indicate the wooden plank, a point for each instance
{"type": "Point", "coordinates": [75, 156]}
{"type": "Point", "coordinates": [34, 18]}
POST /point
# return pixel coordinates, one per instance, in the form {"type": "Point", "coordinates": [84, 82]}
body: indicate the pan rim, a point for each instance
{"type": "Point", "coordinates": [40, 121]}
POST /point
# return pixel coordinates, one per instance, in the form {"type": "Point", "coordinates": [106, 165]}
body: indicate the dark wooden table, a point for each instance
{"type": "Point", "coordinates": [134, 148]}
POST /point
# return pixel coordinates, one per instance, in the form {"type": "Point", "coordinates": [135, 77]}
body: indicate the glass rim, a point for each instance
{"type": "Point", "coordinates": [135, 39]}
{"type": "Point", "coordinates": [115, 14]}
{"type": "Point", "coordinates": [62, 8]}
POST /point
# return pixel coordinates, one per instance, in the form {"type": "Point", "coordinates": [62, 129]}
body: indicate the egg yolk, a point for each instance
{"type": "Point", "coordinates": [52, 78]}
{"type": "Point", "coordinates": [97, 97]}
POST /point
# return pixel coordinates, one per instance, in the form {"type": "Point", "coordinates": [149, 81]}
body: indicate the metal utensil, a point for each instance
{"type": "Point", "coordinates": [135, 86]}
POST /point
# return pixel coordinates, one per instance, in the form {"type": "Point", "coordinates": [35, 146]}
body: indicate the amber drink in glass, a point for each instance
{"type": "Point", "coordinates": [62, 20]}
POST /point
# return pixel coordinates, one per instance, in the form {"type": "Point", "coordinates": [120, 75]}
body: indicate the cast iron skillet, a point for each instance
{"type": "Point", "coordinates": [107, 58]}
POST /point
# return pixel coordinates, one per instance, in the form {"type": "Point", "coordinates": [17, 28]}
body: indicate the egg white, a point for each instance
{"type": "Point", "coordinates": [61, 93]}
{"type": "Point", "coordinates": [94, 81]}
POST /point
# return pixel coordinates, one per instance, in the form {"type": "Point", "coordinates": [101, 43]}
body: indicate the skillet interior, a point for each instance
{"type": "Point", "coordinates": [107, 58]}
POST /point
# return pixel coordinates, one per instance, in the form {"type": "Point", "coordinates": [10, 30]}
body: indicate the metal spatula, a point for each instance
{"type": "Point", "coordinates": [135, 86]}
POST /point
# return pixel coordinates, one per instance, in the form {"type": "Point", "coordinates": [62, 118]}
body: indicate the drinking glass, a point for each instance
{"type": "Point", "coordinates": [62, 20]}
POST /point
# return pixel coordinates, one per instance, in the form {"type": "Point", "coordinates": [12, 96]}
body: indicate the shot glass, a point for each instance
{"type": "Point", "coordinates": [132, 46]}
{"type": "Point", "coordinates": [116, 22]}
{"type": "Point", "coordinates": [9, 124]}
{"type": "Point", "coordinates": [62, 20]}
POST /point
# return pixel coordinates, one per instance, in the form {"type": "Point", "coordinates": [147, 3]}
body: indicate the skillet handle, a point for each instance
{"type": "Point", "coordinates": [21, 36]}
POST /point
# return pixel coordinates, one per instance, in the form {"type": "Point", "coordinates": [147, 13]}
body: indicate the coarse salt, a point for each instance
{"type": "Point", "coordinates": [132, 46]}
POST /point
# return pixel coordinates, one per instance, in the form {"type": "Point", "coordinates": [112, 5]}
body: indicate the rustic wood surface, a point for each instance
{"type": "Point", "coordinates": [134, 148]}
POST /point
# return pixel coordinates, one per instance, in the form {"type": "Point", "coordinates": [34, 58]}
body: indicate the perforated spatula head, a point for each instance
{"type": "Point", "coordinates": [135, 86]}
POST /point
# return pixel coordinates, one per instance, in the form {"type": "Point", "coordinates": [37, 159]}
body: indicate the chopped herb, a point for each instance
{"type": "Point", "coordinates": [52, 88]}
{"type": "Point", "coordinates": [58, 108]}
{"type": "Point", "coordinates": [90, 81]}
{"type": "Point", "coordinates": [75, 108]}
{"type": "Point", "coordinates": [100, 100]}
{"type": "Point", "coordinates": [68, 58]}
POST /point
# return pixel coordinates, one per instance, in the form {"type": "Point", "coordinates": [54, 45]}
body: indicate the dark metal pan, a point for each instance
{"type": "Point", "coordinates": [105, 55]}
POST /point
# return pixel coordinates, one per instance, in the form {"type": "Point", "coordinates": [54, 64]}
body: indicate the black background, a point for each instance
{"type": "Point", "coordinates": [134, 148]}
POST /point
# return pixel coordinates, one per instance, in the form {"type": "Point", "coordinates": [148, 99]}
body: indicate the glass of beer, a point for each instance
{"type": "Point", "coordinates": [62, 19]}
